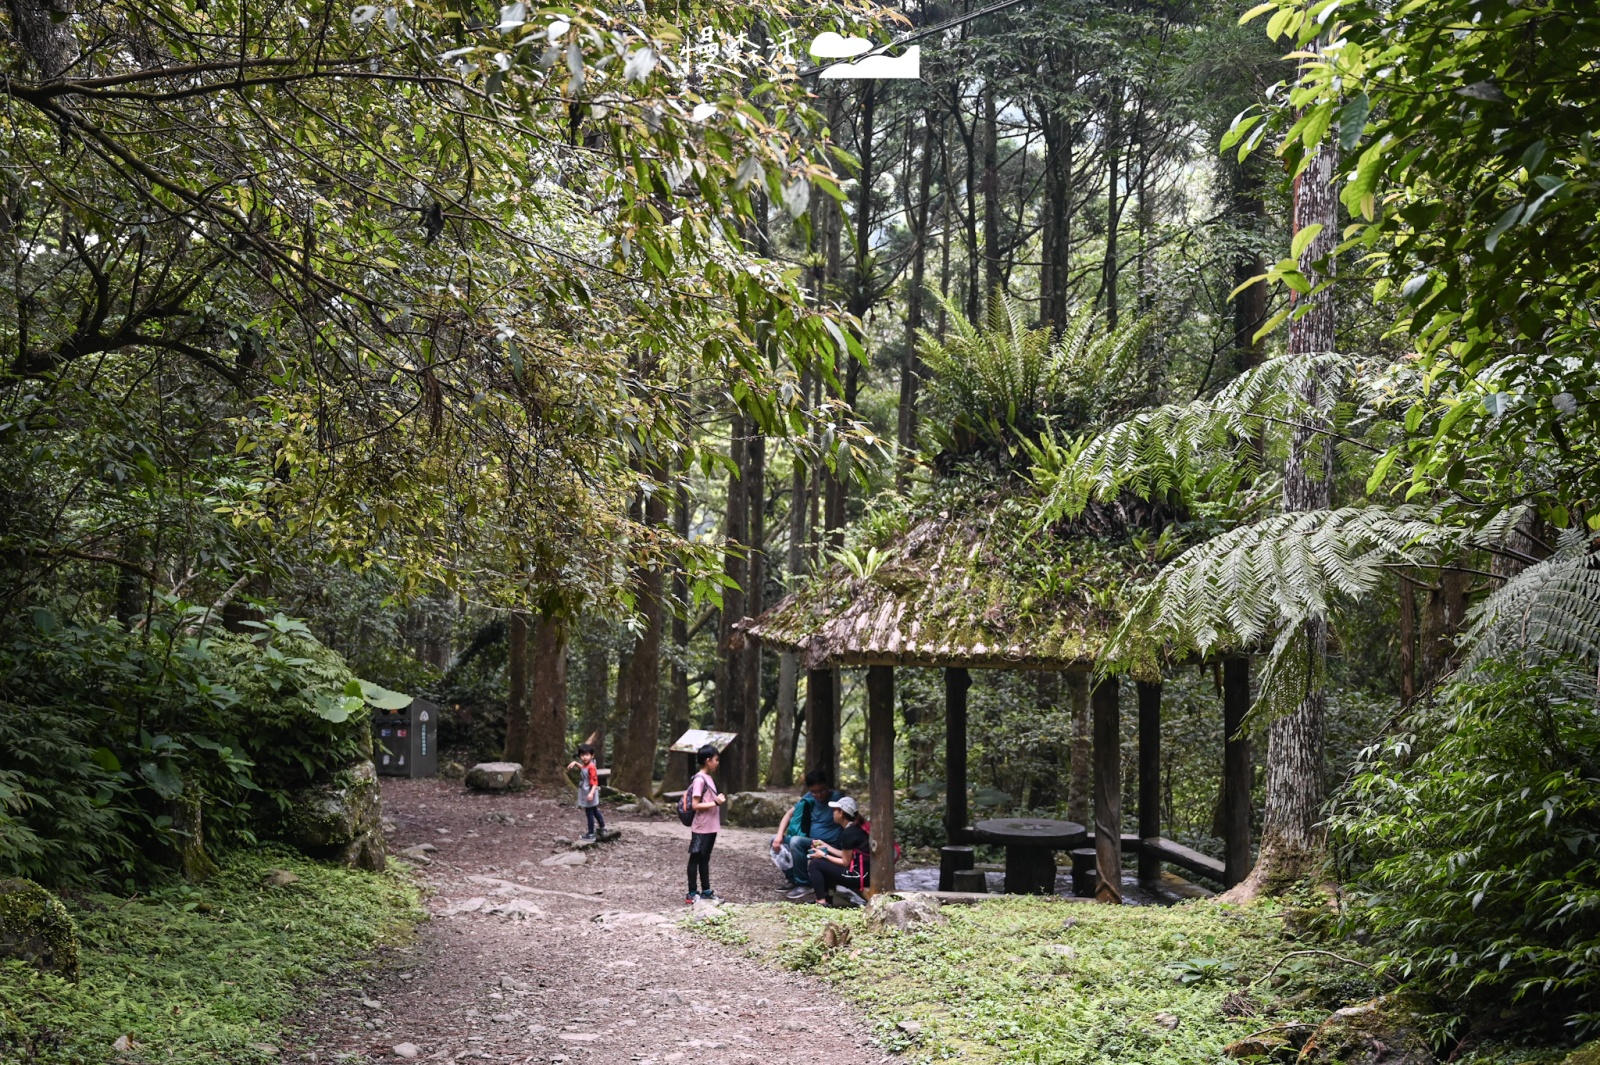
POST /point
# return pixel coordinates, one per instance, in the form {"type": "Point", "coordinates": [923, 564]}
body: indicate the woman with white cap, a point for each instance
{"type": "Point", "coordinates": [843, 863]}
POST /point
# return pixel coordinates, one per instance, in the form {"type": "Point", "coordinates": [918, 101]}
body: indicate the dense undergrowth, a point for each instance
{"type": "Point", "coordinates": [201, 973]}
{"type": "Point", "coordinates": [1034, 980]}
{"type": "Point", "coordinates": [108, 736]}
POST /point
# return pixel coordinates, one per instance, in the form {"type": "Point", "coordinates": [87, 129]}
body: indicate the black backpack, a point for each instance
{"type": "Point", "coordinates": [686, 804]}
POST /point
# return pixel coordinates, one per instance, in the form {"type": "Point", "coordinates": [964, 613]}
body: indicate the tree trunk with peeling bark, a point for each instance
{"type": "Point", "coordinates": [1292, 839]}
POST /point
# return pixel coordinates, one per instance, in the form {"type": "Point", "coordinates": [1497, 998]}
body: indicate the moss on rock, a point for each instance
{"type": "Point", "coordinates": [341, 820]}
{"type": "Point", "coordinates": [1387, 1029]}
{"type": "Point", "coordinates": [1588, 1054]}
{"type": "Point", "coordinates": [36, 928]}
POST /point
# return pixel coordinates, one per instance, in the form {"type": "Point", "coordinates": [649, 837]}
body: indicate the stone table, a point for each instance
{"type": "Point", "coordinates": [1031, 844]}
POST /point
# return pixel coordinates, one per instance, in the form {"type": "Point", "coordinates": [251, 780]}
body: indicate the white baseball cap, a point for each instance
{"type": "Point", "coordinates": [847, 804]}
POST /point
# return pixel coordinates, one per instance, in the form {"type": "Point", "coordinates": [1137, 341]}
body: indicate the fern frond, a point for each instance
{"type": "Point", "coordinates": [1548, 610]}
{"type": "Point", "coordinates": [1253, 583]}
{"type": "Point", "coordinates": [1168, 448]}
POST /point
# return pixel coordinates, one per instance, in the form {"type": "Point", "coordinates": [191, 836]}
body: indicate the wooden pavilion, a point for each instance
{"type": "Point", "coordinates": [974, 585]}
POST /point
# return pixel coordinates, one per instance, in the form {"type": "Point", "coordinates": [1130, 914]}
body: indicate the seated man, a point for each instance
{"type": "Point", "coordinates": [810, 821]}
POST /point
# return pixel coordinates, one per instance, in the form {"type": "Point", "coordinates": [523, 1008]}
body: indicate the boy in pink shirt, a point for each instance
{"type": "Point", "coordinates": [707, 802]}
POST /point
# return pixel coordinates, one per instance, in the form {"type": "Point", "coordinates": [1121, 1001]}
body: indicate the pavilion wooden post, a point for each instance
{"type": "Point", "coordinates": [1107, 790]}
{"type": "Point", "coordinates": [880, 755]}
{"type": "Point", "coordinates": [822, 728]}
{"type": "Point", "coordinates": [1149, 777]}
{"type": "Point", "coordinates": [1236, 772]}
{"type": "Point", "coordinates": [956, 682]}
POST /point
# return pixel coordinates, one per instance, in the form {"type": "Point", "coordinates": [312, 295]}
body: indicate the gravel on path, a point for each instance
{"type": "Point", "coordinates": [525, 961]}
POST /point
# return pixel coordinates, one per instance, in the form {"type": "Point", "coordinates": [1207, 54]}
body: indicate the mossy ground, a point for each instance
{"type": "Point", "coordinates": [1037, 980]}
{"type": "Point", "coordinates": [202, 973]}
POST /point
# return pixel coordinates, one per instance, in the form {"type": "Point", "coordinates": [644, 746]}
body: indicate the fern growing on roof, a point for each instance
{"type": "Point", "coordinates": [994, 387]}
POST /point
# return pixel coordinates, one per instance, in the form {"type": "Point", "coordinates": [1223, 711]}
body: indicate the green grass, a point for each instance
{"type": "Point", "coordinates": [996, 986]}
{"type": "Point", "coordinates": [202, 973]}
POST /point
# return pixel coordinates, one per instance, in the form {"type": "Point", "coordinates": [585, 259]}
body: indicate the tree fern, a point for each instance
{"type": "Point", "coordinates": [1548, 610]}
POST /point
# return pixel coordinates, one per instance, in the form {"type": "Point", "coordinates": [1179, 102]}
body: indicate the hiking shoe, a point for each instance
{"type": "Point", "coordinates": [690, 899]}
{"type": "Point", "coordinates": [587, 836]}
{"type": "Point", "coordinates": [798, 892]}
{"type": "Point", "coordinates": [711, 896]}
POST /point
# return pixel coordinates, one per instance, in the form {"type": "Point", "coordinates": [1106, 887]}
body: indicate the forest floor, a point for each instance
{"type": "Point", "coordinates": [527, 962]}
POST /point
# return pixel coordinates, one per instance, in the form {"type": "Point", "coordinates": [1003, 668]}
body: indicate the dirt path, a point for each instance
{"type": "Point", "coordinates": [526, 962]}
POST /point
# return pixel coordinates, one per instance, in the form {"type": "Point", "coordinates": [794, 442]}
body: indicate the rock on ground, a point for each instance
{"type": "Point", "coordinates": [36, 928]}
{"type": "Point", "coordinates": [1383, 1030]}
{"type": "Point", "coordinates": [341, 820]}
{"type": "Point", "coordinates": [757, 809]}
{"type": "Point", "coordinates": [887, 911]}
{"type": "Point", "coordinates": [494, 776]}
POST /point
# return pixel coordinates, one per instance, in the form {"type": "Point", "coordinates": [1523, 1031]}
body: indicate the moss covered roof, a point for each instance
{"type": "Point", "coordinates": [964, 577]}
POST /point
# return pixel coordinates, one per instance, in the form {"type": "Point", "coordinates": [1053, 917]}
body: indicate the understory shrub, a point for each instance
{"type": "Point", "coordinates": [107, 735]}
{"type": "Point", "coordinates": [1472, 842]}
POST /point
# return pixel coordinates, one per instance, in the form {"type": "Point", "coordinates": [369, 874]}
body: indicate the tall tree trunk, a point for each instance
{"type": "Point", "coordinates": [780, 771]}
{"type": "Point", "coordinates": [545, 754]}
{"type": "Point", "coordinates": [634, 766]}
{"type": "Point", "coordinates": [1110, 267]}
{"type": "Point", "coordinates": [1055, 266]}
{"type": "Point", "coordinates": [910, 364]}
{"type": "Point", "coordinates": [678, 695]}
{"type": "Point", "coordinates": [45, 29]}
{"type": "Point", "coordinates": [992, 279]}
{"type": "Point", "coordinates": [1249, 209]}
{"type": "Point", "coordinates": [1407, 636]}
{"type": "Point", "coordinates": [1080, 782]}
{"type": "Point", "coordinates": [755, 593]}
{"type": "Point", "coordinates": [516, 686]}
{"type": "Point", "coordinates": [1444, 618]}
{"type": "Point", "coordinates": [969, 217]}
{"type": "Point", "coordinates": [596, 690]}
{"type": "Point", "coordinates": [730, 705]}
{"type": "Point", "coordinates": [1292, 841]}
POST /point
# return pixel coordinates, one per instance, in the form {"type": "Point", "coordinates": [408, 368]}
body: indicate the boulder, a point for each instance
{"type": "Point", "coordinates": [904, 913]}
{"type": "Point", "coordinates": [494, 776]}
{"type": "Point", "coordinates": [341, 821]}
{"type": "Point", "coordinates": [1280, 1043]}
{"type": "Point", "coordinates": [757, 809]}
{"type": "Point", "coordinates": [450, 769]}
{"type": "Point", "coordinates": [36, 928]}
{"type": "Point", "coordinates": [615, 797]}
{"type": "Point", "coordinates": [1386, 1029]}
{"type": "Point", "coordinates": [648, 808]}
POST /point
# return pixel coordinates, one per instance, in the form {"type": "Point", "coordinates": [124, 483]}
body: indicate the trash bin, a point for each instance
{"type": "Point", "coordinates": [405, 742]}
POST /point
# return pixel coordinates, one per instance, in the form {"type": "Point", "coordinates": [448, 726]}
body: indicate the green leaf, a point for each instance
{"type": "Point", "coordinates": [1303, 239]}
{"type": "Point", "coordinates": [1257, 11]}
{"type": "Point", "coordinates": [1381, 470]}
{"type": "Point", "coordinates": [383, 698]}
{"type": "Point", "coordinates": [1352, 120]}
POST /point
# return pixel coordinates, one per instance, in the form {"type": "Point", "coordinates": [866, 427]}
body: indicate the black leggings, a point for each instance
{"type": "Point", "coordinates": [825, 875]}
{"type": "Point", "coordinates": [596, 818]}
{"type": "Point", "coordinates": [700, 844]}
